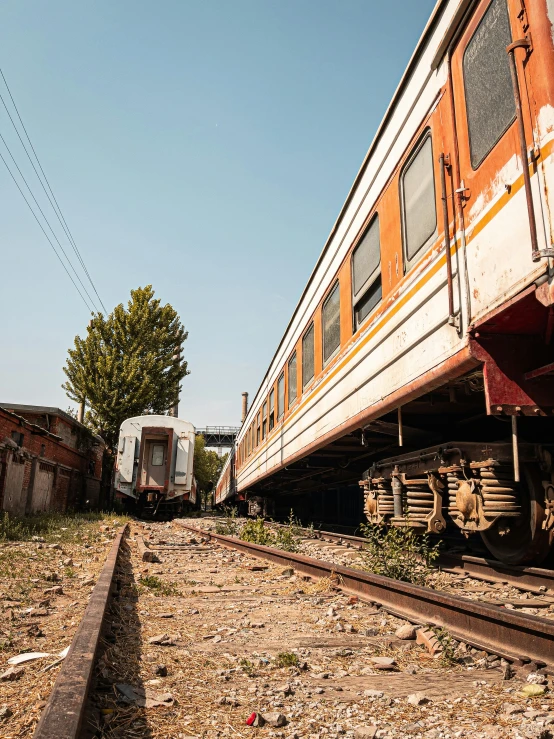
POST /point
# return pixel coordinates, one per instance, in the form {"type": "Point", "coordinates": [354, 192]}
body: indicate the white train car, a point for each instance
{"type": "Point", "coordinates": [155, 462]}
{"type": "Point", "coordinates": [421, 348]}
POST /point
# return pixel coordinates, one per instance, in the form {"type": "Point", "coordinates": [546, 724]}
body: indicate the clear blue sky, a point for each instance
{"type": "Point", "coordinates": [201, 146]}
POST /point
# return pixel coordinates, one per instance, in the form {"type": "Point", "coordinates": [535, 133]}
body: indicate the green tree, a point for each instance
{"type": "Point", "coordinates": [128, 364]}
{"type": "Point", "coordinates": [207, 467]}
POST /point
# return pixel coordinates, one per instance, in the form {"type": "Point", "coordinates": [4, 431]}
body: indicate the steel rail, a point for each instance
{"type": "Point", "coordinates": [62, 717]}
{"type": "Point", "coordinates": [516, 637]}
{"type": "Point", "coordinates": [526, 578]}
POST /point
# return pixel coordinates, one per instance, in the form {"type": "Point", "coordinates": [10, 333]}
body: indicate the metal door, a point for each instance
{"type": "Point", "coordinates": [155, 463]}
{"type": "Point", "coordinates": [183, 466]}
{"type": "Point", "coordinates": [42, 488]}
{"type": "Point", "coordinates": [491, 170]}
{"type": "Point", "coordinates": [14, 502]}
{"type": "Point", "coordinates": [127, 459]}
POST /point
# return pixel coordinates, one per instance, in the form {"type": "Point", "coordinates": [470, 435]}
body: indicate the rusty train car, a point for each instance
{"type": "Point", "coordinates": [154, 466]}
{"type": "Point", "coordinates": [420, 355]}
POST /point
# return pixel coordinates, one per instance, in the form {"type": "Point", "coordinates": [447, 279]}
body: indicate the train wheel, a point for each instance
{"type": "Point", "coordinates": [526, 540]}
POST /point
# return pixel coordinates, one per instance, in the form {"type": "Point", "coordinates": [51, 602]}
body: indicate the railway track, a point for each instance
{"type": "Point", "coordinates": [525, 641]}
{"type": "Point", "coordinates": [519, 638]}
{"type": "Point", "coordinates": [528, 579]}
{"type": "Point", "coordinates": [62, 717]}
{"type": "Point", "coordinates": [536, 580]}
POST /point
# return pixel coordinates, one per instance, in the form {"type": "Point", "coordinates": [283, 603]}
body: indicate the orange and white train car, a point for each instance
{"type": "Point", "coordinates": [421, 346]}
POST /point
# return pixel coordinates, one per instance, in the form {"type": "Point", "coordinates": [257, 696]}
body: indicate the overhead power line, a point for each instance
{"type": "Point", "coordinates": [45, 218]}
{"type": "Point", "coordinates": [50, 195]}
{"type": "Point", "coordinates": [44, 232]}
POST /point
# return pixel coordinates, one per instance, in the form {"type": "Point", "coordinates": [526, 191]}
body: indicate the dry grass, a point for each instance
{"type": "Point", "coordinates": [27, 569]}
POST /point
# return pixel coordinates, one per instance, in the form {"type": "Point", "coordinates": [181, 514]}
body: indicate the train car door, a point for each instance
{"type": "Point", "coordinates": [491, 174]}
{"type": "Point", "coordinates": [156, 451]}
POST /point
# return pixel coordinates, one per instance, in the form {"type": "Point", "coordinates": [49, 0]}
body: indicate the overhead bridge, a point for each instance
{"type": "Point", "coordinates": [219, 436]}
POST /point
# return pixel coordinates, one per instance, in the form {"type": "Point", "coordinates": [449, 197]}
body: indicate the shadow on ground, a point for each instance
{"type": "Point", "coordinates": [110, 715]}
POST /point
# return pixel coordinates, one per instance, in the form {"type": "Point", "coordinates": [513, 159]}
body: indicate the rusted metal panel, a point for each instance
{"type": "Point", "coordinates": [148, 434]}
{"type": "Point", "coordinates": [506, 363]}
{"type": "Point", "coordinates": [63, 715]}
{"type": "Point", "coordinates": [42, 487]}
{"type": "Point", "coordinates": [14, 501]}
{"type": "Point", "coordinates": [509, 634]}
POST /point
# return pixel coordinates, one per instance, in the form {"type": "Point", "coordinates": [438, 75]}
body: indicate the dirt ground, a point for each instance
{"type": "Point", "coordinates": [208, 637]}
{"type": "Point", "coordinates": [68, 557]}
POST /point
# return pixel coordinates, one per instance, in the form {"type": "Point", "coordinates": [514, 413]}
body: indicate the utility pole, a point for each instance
{"type": "Point", "coordinates": [82, 404]}
{"type": "Point", "coordinates": [174, 410]}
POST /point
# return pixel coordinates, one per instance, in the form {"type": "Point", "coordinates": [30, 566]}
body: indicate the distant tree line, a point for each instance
{"type": "Point", "coordinates": [207, 468]}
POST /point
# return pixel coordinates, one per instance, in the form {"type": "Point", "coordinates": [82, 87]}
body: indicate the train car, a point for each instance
{"type": "Point", "coordinates": [155, 461]}
{"type": "Point", "coordinates": [421, 349]}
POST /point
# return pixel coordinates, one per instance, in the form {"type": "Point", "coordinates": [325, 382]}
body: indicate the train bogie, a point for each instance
{"type": "Point", "coordinates": [471, 486]}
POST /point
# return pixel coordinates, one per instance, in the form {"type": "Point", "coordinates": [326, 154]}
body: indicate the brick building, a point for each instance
{"type": "Point", "coordinates": [48, 461]}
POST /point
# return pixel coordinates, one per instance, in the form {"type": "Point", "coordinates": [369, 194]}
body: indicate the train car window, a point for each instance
{"type": "Point", "coordinates": [489, 95]}
{"type": "Point", "coordinates": [258, 430]}
{"type": "Point", "coordinates": [308, 357]}
{"type": "Point", "coordinates": [367, 289]}
{"type": "Point", "coordinates": [331, 323]}
{"type": "Point", "coordinates": [280, 396]}
{"type": "Point", "coordinates": [157, 455]}
{"type": "Point", "coordinates": [292, 380]}
{"type": "Point", "coordinates": [271, 409]}
{"type": "Point", "coordinates": [419, 212]}
{"type": "Point", "coordinates": [264, 420]}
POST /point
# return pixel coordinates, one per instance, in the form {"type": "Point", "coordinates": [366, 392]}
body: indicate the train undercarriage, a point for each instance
{"type": "Point", "coordinates": [442, 466]}
{"type": "Point", "coordinates": [470, 455]}
{"type": "Point", "coordinates": [152, 504]}
{"type": "Point", "coordinates": [472, 486]}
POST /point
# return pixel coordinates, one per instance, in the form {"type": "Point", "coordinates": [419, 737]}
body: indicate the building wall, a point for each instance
{"type": "Point", "coordinates": [61, 471]}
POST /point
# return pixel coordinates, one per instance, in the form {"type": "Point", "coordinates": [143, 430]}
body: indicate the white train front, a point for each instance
{"type": "Point", "coordinates": [155, 460]}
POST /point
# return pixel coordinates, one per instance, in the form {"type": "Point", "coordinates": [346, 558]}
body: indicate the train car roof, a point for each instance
{"type": "Point", "coordinates": [140, 422]}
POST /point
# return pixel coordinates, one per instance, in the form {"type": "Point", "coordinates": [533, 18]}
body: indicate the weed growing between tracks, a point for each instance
{"type": "Point", "coordinates": [287, 659]}
{"type": "Point", "coordinates": [286, 537]}
{"type": "Point", "coordinates": [159, 587]}
{"type": "Point", "coordinates": [448, 646]}
{"type": "Point", "coordinates": [398, 553]}
{"type": "Point", "coordinates": [229, 526]}
{"type": "Point", "coordinates": [256, 532]}
{"type": "Point", "coordinates": [247, 666]}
